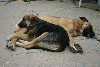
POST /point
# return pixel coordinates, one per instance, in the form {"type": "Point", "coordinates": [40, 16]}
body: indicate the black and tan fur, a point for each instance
{"type": "Point", "coordinates": [41, 34]}
{"type": "Point", "coordinates": [74, 27]}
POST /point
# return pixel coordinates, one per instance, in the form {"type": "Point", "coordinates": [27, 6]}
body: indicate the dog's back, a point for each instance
{"type": "Point", "coordinates": [57, 35]}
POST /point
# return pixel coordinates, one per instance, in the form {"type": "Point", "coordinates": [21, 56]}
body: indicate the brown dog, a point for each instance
{"type": "Point", "coordinates": [74, 27]}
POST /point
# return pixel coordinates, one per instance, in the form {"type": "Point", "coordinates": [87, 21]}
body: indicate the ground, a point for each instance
{"type": "Point", "coordinates": [11, 13]}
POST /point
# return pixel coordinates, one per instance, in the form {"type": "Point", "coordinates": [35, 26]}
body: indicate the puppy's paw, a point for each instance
{"type": "Point", "coordinates": [12, 49]}
{"type": "Point", "coordinates": [8, 45]}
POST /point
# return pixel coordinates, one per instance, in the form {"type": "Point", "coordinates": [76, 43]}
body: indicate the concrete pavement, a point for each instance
{"type": "Point", "coordinates": [11, 13]}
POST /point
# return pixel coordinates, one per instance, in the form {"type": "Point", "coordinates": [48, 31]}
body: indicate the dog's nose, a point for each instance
{"type": "Point", "coordinates": [91, 35]}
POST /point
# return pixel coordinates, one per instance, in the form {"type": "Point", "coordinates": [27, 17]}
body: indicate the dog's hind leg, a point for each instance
{"type": "Point", "coordinates": [25, 45]}
{"type": "Point", "coordinates": [39, 42]}
{"type": "Point", "coordinates": [32, 43]}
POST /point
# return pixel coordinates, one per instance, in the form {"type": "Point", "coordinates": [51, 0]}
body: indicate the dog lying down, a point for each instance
{"type": "Point", "coordinates": [35, 31]}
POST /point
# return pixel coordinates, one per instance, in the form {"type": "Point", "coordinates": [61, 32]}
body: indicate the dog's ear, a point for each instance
{"type": "Point", "coordinates": [22, 24]}
{"type": "Point", "coordinates": [33, 19]}
{"type": "Point", "coordinates": [84, 19]}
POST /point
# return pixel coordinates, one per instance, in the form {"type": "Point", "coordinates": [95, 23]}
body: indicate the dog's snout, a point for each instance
{"type": "Point", "coordinates": [91, 35]}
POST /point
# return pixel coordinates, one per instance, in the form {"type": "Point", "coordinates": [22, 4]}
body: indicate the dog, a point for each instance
{"type": "Point", "coordinates": [75, 27]}
{"type": "Point", "coordinates": [22, 29]}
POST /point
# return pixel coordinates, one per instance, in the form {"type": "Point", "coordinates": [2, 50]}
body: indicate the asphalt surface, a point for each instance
{"type": "Point", "coordinates": [11, 13]}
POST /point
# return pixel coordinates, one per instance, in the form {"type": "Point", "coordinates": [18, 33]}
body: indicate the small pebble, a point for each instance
{"type": "Point", "coordinates": [7, 62]}
{"type": "Point", "coordinates": [31, 52]}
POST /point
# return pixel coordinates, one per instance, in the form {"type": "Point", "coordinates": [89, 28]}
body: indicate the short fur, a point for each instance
{"type": "Point", "coordinates": [74, 27]}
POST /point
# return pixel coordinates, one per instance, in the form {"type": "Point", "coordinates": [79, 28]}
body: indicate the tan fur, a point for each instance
{"type": "Point", "coordinates": [73, 26]}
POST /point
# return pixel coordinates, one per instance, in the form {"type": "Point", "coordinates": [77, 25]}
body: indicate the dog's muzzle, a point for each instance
{"type": "Point", "coordinates": [88, 32]}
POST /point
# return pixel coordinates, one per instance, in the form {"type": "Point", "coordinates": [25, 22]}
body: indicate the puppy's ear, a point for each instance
{"type": "Point", "coordinates": [33, 19]}
{"type": "Point", "coordinates": [84, 19]}
{"type": "Point", "coordinates": [22, 25]}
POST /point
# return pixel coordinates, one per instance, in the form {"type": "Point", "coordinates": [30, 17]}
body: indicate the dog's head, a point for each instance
{"type": "Point", "coordinates": [87, 28]}
{"type": "Point", "coordinates": [27, 21]}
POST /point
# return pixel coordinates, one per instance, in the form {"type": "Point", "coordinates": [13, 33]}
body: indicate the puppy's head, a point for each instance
{"type": "Point", "coordinates": [27, 21]}
{"type": "Point", "coordinates": [87, 28]}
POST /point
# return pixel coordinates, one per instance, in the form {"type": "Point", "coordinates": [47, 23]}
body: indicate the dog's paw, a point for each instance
{"type": "Point", "coordinates": [12, 49]}
{"type": "Point", "coordinates": [73, 49]}
{"type": "Point", "coordinates": [7, 46]}
{"type": "Point", "coordinates": [79, 48]}
{"type": "Point", "coordinates": [76, 49]}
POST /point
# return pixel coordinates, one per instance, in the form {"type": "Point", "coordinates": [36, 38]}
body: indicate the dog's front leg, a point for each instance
{"type": "Point", "coordinates": [14, 38]}
{"type": "Point", "coordinates": [74, 46]}
{"type": "Point", "coordinates": [11, 37]}
{"type": "Point", "coordinates": [11, 45]}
